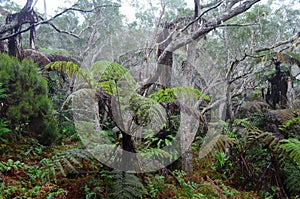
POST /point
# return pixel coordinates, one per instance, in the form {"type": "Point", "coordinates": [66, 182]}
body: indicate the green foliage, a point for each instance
{"type": "Point", "coordinates": [147, 111]}
{"type": "Point", "coordinates": [156, 185]}
{"type": "Point", "coordinates": [110, 76]}
{"type": "Point", "coordinates": [29, 176]}
{"type": "Point", "coordinates": [213, 145]}
{"type": "Point", "coordinates": [292, 147]}
{"type": "Point", "coordinates": [69, 68]}
{"type": "Point", "coordinates": [26, 108]}
{"type": "Point", "coordinates": [108, 70]}
{"type": "Point", "coordinates": [2, 92]}
{"type": "Point", "coordinates": [125, 186]}
{"type": "Point", "coordinates": [3, 124]}
{"type": "Point", "coordinates": [63, 163]}
{"type": "Point", "coordinates": [4, 132]}
{"type": "Point", "coordinates": [289, 123]}
{"type": "Point", "coordinates": [102, 73]}
{"type": "Point", "coordinates": [291, 178]}
{"type": "Point", "coordinates": [163, 95]}
{"type": "Point", "coordinates": [266, 139]}
{"type": "Point", "coordinates": [171, 94]}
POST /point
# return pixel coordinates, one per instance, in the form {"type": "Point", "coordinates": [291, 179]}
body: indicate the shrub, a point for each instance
{"type": "Point", "coordinates": [26, 107]}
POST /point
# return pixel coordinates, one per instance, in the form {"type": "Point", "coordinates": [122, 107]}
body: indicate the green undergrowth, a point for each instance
{"type": "Point", "coordinates": [30, 170]}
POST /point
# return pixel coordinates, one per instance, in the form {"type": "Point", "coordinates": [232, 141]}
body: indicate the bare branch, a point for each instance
{"type": "Point", "coordinates": [60, 31]}
{"type": "Point", "coordinates": [232, 3]}
{"type": "Point", "coordinates": [292, 40]}
{"type": "Point", "coordinates": [200, 16]}
{"type": "Point", "coordinates": [237, 25]}
{"type": "Point", "coordinates": [14, 23]}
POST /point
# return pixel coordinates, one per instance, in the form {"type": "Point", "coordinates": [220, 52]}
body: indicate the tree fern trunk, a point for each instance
{"type": "Point", "coordinates": [127, 161]}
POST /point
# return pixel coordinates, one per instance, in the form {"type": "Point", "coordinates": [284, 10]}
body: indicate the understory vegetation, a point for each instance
{"type": "Point", "coordinates": [216, 117]}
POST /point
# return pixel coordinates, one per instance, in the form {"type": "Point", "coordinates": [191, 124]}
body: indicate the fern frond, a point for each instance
{"type": "Point", "coordinates": [291, 178]}
{"type": "Point", "coordinates": [214, 143]}
{"type": "Point", "coordinates": [106, 70]}
{"type": "Point", "coordinates": [61, 164]}
{"type": "Point", "coordinates": [68, 68]}
{"type": "Point", "coordinates": [292, 147]}
{"type": "Point", "coordinates": [147, 112]}
{"type": "Point", "coordinates": [126, 186]}
{"type": "Point", "coordinates": [267, 139]}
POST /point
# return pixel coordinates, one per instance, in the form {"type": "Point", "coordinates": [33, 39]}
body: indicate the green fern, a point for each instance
{"type": "Point", "coordinates": [111, 75]}
{"type": "Point", "coordinates": [3, 124]}
{"type": "Point", "coordinates": [68, 68]}
{"type": "Point", "coordinates": [108, 70]}
{"type": "Point", "coordinates": [125, 186]}
{"type": "Point", "coordinates": [289, 123]}
{"type": "Point", "coordinates": [292, 147]}
{"type": "Point", "coordinates": [172, 94]}
{"type": "Point", "coordinates": [212, 145]}
{"type": "Point", "coordinates": [62, 164]}
{"type": "Point", "coordinates": [291, 178]}
{"type": "Point", "coordinates": [267, 139]}
{"type": "Point", "coordinates": [147, 111]}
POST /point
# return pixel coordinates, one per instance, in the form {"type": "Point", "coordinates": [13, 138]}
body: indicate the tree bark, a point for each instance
{"type": "Point", "coordinates": [201, 31]}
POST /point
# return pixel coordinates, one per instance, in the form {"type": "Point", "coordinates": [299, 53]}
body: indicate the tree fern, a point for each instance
{"type": "Point", "coordinates": [110, 75]}
{"type": "Point", "coordinates": [292, 147]}
{"type": "Point", "coordinates": [125, 186]}
{"type": "Point", "coordinates": [147, 112]}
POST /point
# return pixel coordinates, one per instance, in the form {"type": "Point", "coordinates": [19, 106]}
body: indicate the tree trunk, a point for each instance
{"type": "Point", "coordinates": [166, 63]}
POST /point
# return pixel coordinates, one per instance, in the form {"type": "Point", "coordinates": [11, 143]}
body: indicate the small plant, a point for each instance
{"type": "Point", "coordinates": [155, 186]}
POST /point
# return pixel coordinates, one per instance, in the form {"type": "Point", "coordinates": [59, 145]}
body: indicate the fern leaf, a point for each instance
{"type": "Point", "coordinates": [52, 169]}
{"type": "Point", "coordinates": [292, 146]}
{"type": "Point", "coordinates": [68, 68]}
{"type": "Point", "coordinates": [214, 143]}
{"type": "Point", "coordinates": [61, 168]}
{"type": "Point", "coordinates": [68, 163]}
{"type": "Point", "coordinates": [126, 186]}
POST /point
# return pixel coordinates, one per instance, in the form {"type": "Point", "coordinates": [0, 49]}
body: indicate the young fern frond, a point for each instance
{"type": "Point", "coordinates": [212, 144]}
